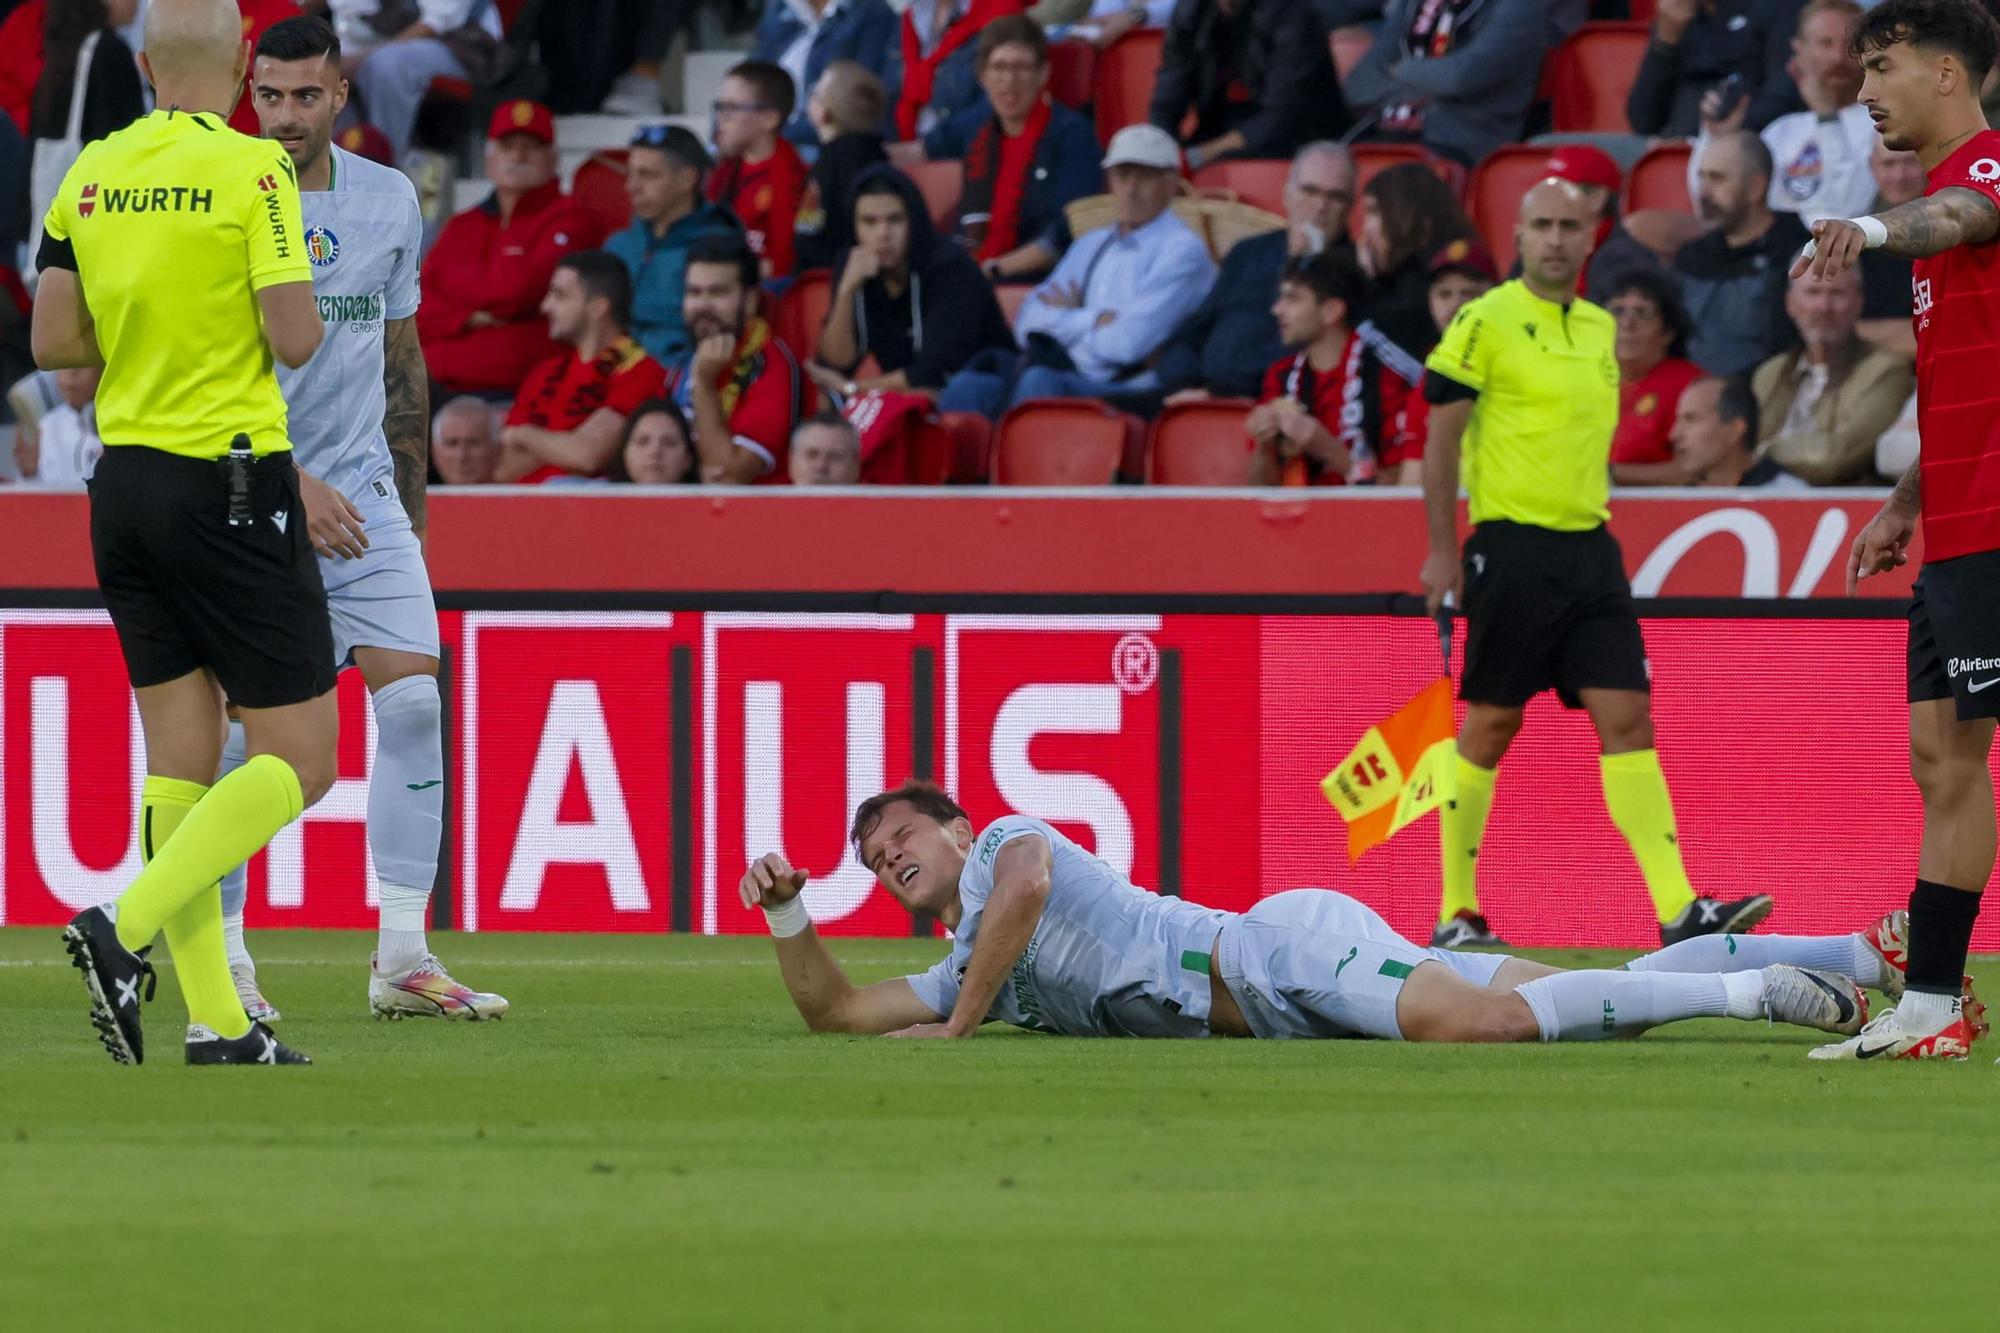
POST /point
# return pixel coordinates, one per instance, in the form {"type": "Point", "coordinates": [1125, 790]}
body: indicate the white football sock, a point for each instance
{"type": "Point", "coordinates": [1921, 1011]}
{"type": "Point", "coordinates": [400, 944]}
{"type": "Point", "coordinates": [232, 936]}
{"type": "Point", "coordinates": [1848, 955]}
{"type": "Point", "coordinates": [235, 884]}
{"type": "Point", "coordinates": [1592, 1005]}
{"type": "Point", "coordinates": [406, 815]}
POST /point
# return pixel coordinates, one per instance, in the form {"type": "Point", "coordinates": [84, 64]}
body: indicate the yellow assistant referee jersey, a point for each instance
{"type": "Point", "coordinates": [173, 225]}
{"type": "Point", "coordinates": [1537, 449]}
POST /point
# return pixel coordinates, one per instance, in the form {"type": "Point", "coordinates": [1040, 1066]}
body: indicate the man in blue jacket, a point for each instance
{"type": "Point", "coordinates": [669, 214]}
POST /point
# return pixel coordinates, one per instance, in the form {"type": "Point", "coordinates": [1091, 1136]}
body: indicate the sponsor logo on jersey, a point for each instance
{"type": "Point", "coordinates": [1958, 666]}
{"type": "Point", "coordinates": [146, 199]}
{"type": "Point", "coordinates": [1803, 173]}
{"type": "Point", "coordinates": [1984, 170]}
{"type": "Point", "coordinates": [990, 844]}
{"type": "Point", "coordinates": [276, 216]}
{"type": "Point", "coordinates": [353, 310]}
{"type": "Point", "coordinates": [267, 182]}
{"type": "Point", "coordinates": [322, 246]}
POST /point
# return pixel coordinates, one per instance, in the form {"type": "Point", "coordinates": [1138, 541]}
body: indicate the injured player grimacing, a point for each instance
{"type": "Point", "coordinates": [1048, 937]}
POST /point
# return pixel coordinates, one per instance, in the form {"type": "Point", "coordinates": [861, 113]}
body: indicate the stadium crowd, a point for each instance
{"type": "Point", "coordinates": [1248, 220]}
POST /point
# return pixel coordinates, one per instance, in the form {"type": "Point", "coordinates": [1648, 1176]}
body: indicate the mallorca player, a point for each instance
{"type": "Point", "coordinates": [360, 426]}
{"type": "Point", "coordinates": [1048, 937]}
{"type": "Point", "coordinates": [1923, 62]}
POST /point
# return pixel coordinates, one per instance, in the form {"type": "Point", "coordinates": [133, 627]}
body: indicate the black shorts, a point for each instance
{"type": "Point", "coordinates": [186, 590]}
{"type": "Point", "coordinates": [1954, 650]}
{"type": "Point", "coordinates": [1548, 610]}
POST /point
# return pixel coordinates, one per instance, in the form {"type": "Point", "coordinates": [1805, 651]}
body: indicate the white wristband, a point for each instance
{"type": "Point", "coordinates": [1874, 232]}
{"type": "Point", "coordinates": [787, 919]}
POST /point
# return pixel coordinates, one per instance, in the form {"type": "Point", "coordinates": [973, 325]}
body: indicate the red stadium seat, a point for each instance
{"type": "Point", "coordinates": [1072, 70]}
{"type": "Point", "coordinates": [1059, 442]}
{"type": "Point", "coordinates": [1256, 181]}
{"type": "Point", "coordinates": [1124, 80]}
{"type": "Point", "coordinates": [942, 183]}
{"type": "Point", "coordinates": [510, 12]}
{"type": "Point", "coordinates": [1590, 75]}
{"type": "Point", "coordinates": [600, 187]}
{"type": "Point", "coordinates": [971, 441]}
{"type": "Point", "coordinates": [1012, 296]}
{"type": "Point", "coordinates": [1371, 159]}
{"type": "Point", "coordinates": [1659, 179]}
{"type": "Point", "coordinates": [798, 314]}
{"type": "Point", "coordinates": [1494, 198]}
{"type": "Point", "coordinates": [1641, 11]}
{"type": "Point", "coordinates": [1348, 45]}
{"type": "Point", "coordinates": [1200, 444]}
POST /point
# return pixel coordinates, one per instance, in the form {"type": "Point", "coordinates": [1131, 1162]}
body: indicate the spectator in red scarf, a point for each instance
{"type": "Point", "coordinates": [939, 60]}
{"type": "Point", "coordinates": [1026, 157]}
{"type": "Point", "coordinates": [481, 322]}
{"type": "Point", "coordinates": [570, 418]}
{"type": "Point", "coordinates": [740, 386]}
{"type": "Point", "coordinates": [1653, 369]}
{"type": "Point", "coordinates": [758, 174]}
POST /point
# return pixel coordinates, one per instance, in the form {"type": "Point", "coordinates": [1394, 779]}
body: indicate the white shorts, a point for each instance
{"type": "Point", "coordinates": [1316, 963]}
{"type": "Point", "coordinates": [382, 600]}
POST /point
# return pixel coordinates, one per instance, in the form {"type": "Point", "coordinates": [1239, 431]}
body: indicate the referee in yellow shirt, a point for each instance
{"type": "Point", "coordinates": [1524, 387]}
{"type": "Point", "coordinates": [173, 256]}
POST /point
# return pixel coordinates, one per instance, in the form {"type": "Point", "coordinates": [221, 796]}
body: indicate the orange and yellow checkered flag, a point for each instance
{"type": "Point", "coordinates": [1402, 768]}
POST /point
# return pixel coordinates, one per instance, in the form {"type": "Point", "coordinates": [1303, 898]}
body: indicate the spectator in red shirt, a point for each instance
{"type": "Point", "coordinates": [1653, 370]}
{"type": "Point", "coordinates": [570, 418]}
{"type": "Point", "coordinates": [758, 174]}
{"type": "Point", "coordinates": [480, 322]}
{"type": "Point", "coordinates": [657, 450]}
{"type": "Point", "coordinates": [740, 386]}
{"type": "Point", "coordinates": [1328, 412]}
{"type": "Point", "coordinates": [1459, 271]}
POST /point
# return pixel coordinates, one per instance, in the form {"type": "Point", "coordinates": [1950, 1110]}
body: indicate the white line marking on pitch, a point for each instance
{"type": "Point", "coordinates": [491, 962]}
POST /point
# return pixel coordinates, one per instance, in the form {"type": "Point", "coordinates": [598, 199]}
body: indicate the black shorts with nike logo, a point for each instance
{"type": "Point", "coordinates": [187, 590]}
{"type": "Point", "coordinates": [1954, 648]}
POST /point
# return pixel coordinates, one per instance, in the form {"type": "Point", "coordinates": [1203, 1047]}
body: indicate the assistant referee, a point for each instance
{"type": "Point", "coordinates": [1525, 386]}
{"type": "Point", "coordinates": [173, 256]}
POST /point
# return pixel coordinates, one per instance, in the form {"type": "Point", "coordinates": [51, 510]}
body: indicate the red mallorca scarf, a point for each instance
{"type": "Point", "coordinates": [919, 70]}
{"type": "Point", "coordinates": [996, 175]}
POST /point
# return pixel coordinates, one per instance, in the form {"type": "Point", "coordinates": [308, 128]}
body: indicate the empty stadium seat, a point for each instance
{"type": "Point", "coordinates": [942, 183]}
{"type": "Point", "coordinates": [1200, 444]}
{"type": "Point", "coordinates": [1347, 46]}
{"type": "Point", "coordinates": [1072, 69]}
{"type": "Point", "coordinates": [1590, 75]}
{"type": "Point", "coordinates": [1659, 179]}
{"type": "Point", "coordinates": [1124, 80]}
{"type": "Point", "coordinates": [1256, 181]}
{"type": "Point", "coordinates": [599, 185]}
{"type": "Point", "coordinates": [971, 442]}
{"type": "Point", "coordinates": [1059, 442]}
{"type": "Point", "coordinates": [1494, 197]}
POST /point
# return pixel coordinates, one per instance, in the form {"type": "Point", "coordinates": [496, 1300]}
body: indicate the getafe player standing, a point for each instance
{"type": "Point", "coordinates": [360, 425]}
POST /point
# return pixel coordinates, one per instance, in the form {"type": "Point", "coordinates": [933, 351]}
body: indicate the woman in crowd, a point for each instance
{"type": "Point", "coordinates": [1407, 216]}
{"type": "Point", "coordinates": [656, 450]}
{"type": "Point", "coordinates": [1653, 369]}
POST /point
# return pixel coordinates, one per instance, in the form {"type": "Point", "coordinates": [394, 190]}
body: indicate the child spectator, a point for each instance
{"type": "Point", "coordinates": [846, 110]}
{"type": "Point", "coordinates": [806, 38]}
{"type": "Point", "coordinates": [1460, 271]}
{"type": "Point", "coordinates": [760, 176]}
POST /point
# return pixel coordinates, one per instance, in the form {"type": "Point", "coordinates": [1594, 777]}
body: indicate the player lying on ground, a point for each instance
{"type": "Point", "coordinates": [1049, 937]}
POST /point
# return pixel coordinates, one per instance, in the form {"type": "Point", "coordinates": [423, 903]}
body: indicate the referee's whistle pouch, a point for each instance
{"type": "Point", "coordinates": [238, 463]}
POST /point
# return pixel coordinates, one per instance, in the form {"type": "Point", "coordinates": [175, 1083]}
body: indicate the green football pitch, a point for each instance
{"type": "Point", "coordinates": [651, 1140]}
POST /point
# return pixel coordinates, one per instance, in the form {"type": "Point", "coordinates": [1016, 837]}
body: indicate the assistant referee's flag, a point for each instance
{"type": "Point", "coordinates": [1402, 768]}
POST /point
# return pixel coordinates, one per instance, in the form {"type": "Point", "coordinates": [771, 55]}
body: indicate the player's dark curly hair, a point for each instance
{"type": "Point", "coordinates": [1962, 27]}
{"type": "Point", "coordinates": [929, 799]}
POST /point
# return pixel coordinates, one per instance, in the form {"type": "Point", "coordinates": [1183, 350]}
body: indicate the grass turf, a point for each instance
{"type": "Point", "coordinates": [651, 1140]}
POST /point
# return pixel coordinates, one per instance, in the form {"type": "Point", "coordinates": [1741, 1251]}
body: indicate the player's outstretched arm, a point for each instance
{"type": "Point", "coordinates": [826, 999]}
{"type": "Point", "coordinates": [1020, 891]}
{"type": "Point", "coordinates": [1923, 227]}
{"type": "Point", "coordinates": [406, 417]}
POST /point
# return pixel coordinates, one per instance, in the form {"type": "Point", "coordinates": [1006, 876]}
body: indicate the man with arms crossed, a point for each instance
{"type": "Point", "coordinates": [360, 418]}
{"type": "Point", "coordinates": [1922, 65]}
{"type": "Point", "coordinates": [1048, 937]}
{"type": "Point", "coordinates": [186, 237]}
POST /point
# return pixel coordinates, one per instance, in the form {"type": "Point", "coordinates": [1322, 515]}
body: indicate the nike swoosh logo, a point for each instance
{"type": "Point", "coordinates": [425, 786]}
{"type": "Point", "coordinates": [1843, 1003]}
{"type": "Point", "coordinates": [1975, 686]}
{"type": "Point", "coordinates": [1870, 1052]}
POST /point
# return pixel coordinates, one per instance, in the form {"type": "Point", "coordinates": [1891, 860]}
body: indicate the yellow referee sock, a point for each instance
{"type": "Point", "coordinates": [1635, 792]}
{"type": "Point", "coordinates": [194, 934]}
{"type": "Point", "coordinates": [177, 891]}
{"type": "Point", "coordinates": [1461, 827]}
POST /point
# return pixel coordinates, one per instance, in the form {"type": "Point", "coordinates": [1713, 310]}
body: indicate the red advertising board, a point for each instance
{"type": "Point", "coordinates": [617, 770]}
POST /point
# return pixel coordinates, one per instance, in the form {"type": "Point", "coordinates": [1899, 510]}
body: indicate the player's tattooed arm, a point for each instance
{"type": "Point", "coordinates": [1935, 223]}
{"type": "Point", "coordinates": [407, 420]}
{"type": "Point", "coordinates": [1908, 495]}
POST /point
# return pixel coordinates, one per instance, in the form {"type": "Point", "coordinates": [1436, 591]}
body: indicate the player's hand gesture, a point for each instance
{"type": "Point", "coordinates": [1881, 546]}
{"type": "Point", "coordinates": [1835, 247]}
{"type": "Point", "coordinates": [333, 523]}
{"type": "Point", "coordinates": [770, 880]}
{"type": "Point", "coordinates": [1443, 576]}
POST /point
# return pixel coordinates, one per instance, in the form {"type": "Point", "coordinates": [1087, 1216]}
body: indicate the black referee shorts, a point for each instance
{"type": "Point", "coordinates": [186, 590]}
{"type": "Point", "coordinates": [1954, 647]}
{"type": "Point", "coordinates": [1548, 610]}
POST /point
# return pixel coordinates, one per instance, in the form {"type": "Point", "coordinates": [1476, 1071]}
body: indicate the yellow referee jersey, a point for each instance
{"type": "Point", "coordinates": [172, 225]}
{"type": "Point", "coordinates": [1537, 449]}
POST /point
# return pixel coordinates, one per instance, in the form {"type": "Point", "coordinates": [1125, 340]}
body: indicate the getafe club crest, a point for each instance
{"type": "Point", "coordinates": [322, 246]}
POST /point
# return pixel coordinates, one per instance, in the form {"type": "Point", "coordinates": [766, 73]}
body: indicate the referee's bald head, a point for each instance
{"type": "Point", "coordinates": [189, 40]}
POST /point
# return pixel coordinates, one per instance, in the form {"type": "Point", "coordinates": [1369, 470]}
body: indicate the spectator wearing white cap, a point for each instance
{"type": "Point", "coordinates": [1093, 328]}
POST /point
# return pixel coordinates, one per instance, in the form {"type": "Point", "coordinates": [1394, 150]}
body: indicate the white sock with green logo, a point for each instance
{"type": "Point", "coordinates": [406, 815]}
{"type": "Point", "coordinates": [1848, 955]}
{"type": "Point", "coordinates": [1590, 1006]}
